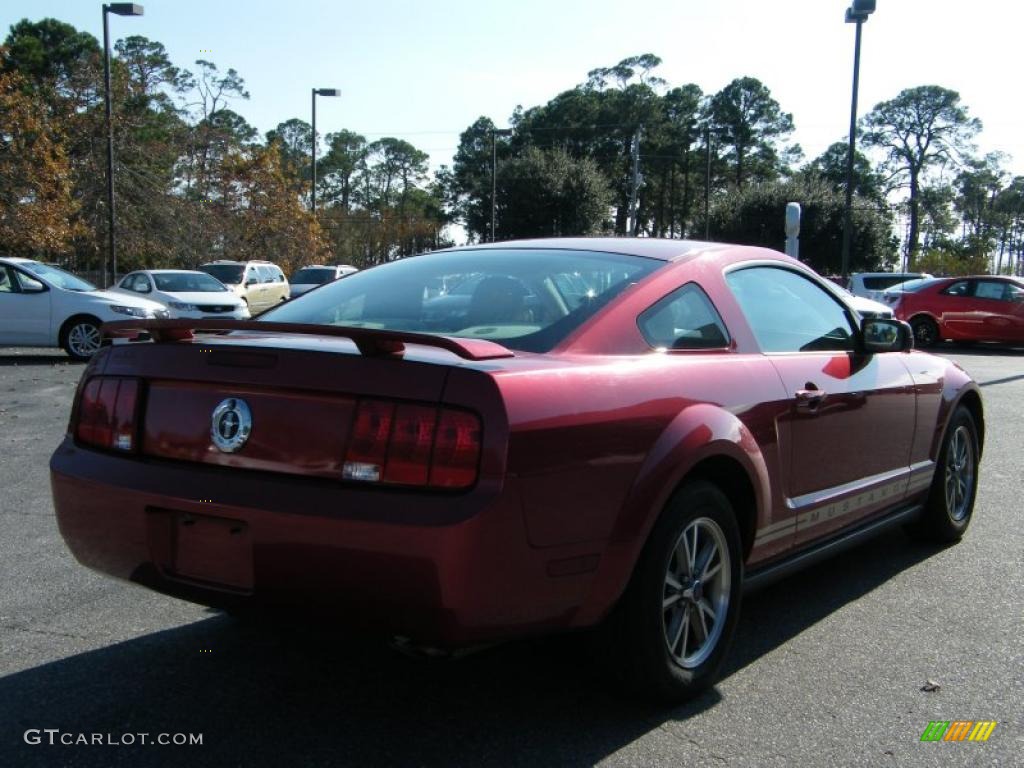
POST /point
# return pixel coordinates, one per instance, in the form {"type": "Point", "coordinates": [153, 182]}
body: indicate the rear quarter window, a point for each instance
{"type": "Point", "coordinates": [685, 319]}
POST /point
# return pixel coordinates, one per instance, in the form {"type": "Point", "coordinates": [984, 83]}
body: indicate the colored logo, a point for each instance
{"type": "Point", "coordinates": [231, 425]}
{"type": "Point", "coordinates": [958, 730]}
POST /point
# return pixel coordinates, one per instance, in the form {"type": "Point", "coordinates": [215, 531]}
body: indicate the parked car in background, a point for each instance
{"type": "Point", "coordinates": [308, 278]}
{"type": "Point", "coordinates": [979, 308]}
{"type": "Point", "coordinates": [185, 293]}
{"type": "Point", "coordinates": [260, 284]}
{"type": "Point", "coordinates": [613, 433]}
{"type": "Point", "coordinates": [44, 306]}
{"type": "Point", "coordinates": [865, 307]}
{"type": "Point", "coordinates": [870, 285]}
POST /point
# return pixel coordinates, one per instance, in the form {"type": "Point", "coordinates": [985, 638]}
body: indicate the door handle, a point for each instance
{"type": "Point", "coordinates": [810, 398]}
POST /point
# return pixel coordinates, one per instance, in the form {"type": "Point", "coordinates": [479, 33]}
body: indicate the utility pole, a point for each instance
{"type": "Point", "coordinates": [857, 13]}
{"type": "Point", "coordinates": [635, 184]}
{"type": "Point", "coordinates": [495, 132]}
{"type": "Point", "coordinates": [707, 183]}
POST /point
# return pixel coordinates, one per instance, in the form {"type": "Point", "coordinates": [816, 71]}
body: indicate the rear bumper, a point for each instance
{"type": "Point", "coordinates": [444, 570]}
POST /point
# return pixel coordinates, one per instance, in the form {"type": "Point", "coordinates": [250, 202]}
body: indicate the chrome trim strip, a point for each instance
{"type": "Point", "coordinates": [828, 494]}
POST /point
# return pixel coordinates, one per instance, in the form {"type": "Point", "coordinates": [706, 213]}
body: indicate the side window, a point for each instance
{"type": "Point", "coordinates": [26, 283]}
{"type": "Point", "coordinates": [990, 289]}
{"type": "Point", "coordinates": [266, 274]}
{"type": "Point", "coordinates": [685, 319]}
{"type": "Point", "coordinates": [6, 280]}
{"type": "Point", "coordinates": [789, 313]}
{"type": "Point", "coordinates": [959, 288]}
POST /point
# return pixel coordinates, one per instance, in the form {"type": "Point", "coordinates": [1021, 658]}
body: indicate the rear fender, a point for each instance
{"type": "Point", "coordinates": [697, 433]}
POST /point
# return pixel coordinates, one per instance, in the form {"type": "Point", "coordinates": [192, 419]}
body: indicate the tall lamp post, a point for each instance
{"type": "Point", "coordinates": [495, 133]}
{"type": "Point", "coordinates": [857, 13]}
{"type": "Point", "coordinates": [317, 92]}
{"type": "Point", "coordinates": [119, 9]}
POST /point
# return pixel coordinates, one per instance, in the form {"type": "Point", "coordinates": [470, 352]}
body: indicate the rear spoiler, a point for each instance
{"type": "Point", "coordinates": [372, 342]}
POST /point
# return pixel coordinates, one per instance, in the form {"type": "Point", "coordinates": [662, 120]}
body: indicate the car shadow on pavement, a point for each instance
{"type": "Point", "coordinates": [58, 358]}
{"type": "Point", "coordinates": [273, 694]}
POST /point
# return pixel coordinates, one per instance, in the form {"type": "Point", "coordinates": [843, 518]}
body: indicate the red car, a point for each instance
{"type": "Point", "coordinates": [982, 308]}
{"type": "Point", "coordinates": [619, 434]}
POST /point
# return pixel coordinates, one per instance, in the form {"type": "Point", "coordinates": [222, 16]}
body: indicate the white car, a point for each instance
{"type": "Point", "coordinates": [308, 278]}
{"type": "Point", "coordinates": [42, 306]}
{"type": "Point", "coordinates": [185, 293]}
{"type": "Point", "coordinates": [872, 284]}
{"type": "Point", "coordinates": [867, 308]}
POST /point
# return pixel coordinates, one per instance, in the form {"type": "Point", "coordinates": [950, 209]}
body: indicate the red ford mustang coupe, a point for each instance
{"type": "Point", "coordinates": [523, 437]}
{"type": "Point", "coordinates": [984, 308]}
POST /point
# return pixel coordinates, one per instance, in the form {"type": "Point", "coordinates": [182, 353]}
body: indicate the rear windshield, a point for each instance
{"type": "Point", "coordinates": [526, 299]}
{"type": "Point", "coordinates": [187, 282]}
{"type": "Point", "coordinates": [314, 275]}
{"type": "Point", "coordinates": [910, 286]}
{"type": "Point", "coordinates": [226, 273]}
{"type": "Point", "coordinates": [881, 282]}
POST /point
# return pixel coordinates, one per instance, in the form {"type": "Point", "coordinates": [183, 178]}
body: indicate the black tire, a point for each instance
{"type": "Point", "coordinates": [946, 516]}
{"type": "Point", "coordinates": [74, 333]}
{"type": "Point", "coordinates": [635, 639]}
{"type": "Point", "coordinates": [926, 332]}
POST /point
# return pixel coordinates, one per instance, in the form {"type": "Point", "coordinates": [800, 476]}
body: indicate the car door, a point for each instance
{"type": "Point", "coordinates": [24, 309]}
{"type": "Point", "coordinates": [999, 315]}
{"type": "Point", "coordinates": [1015, 298]}
{"type": "Point", "coordinates": [957, 311]}
{"type": "Point", "coordinates": [851, 423]}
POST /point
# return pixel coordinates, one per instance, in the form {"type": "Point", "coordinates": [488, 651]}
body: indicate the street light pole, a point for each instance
{"type": "Point", "coordinates": [317, 92]}
{"type": "Point", "coordinates": [495, 132]}
{"type": "Point", "coordinates": [120, 9]}
{"type": "Point", "coordinates": [857, 14]}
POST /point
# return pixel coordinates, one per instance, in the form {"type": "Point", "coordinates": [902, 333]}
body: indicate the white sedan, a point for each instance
{"type": "Point", "coordinates": [42, 306]}
{"type": "Point", "coordinates": [185, 293]}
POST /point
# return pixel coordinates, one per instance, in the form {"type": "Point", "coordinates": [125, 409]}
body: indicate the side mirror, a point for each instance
{"type": "Point", "coordinates": [884, 335]}
{"type": "Point", "coordinates": [32, 287]}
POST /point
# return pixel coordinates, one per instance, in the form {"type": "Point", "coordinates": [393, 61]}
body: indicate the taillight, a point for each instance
{"type": "Point", "coordinates": [107, 413]}
{"type": "Point", "coordinates": [407, 444]}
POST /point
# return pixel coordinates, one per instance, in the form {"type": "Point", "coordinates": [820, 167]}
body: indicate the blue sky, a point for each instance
{"type": "Point", "coordinates": [425, 70]}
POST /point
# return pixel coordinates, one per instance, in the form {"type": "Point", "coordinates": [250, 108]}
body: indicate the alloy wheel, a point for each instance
{"type": "Point", "coordinates": [84, 339]}
{"type": "Point", "coordinates": [695, 601]}
{"type": "Point", "coordinates": [959, 481]}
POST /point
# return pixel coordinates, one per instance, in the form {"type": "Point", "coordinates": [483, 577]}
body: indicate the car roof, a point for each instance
{"type": "Point", "coordinates": [16, 260]}
{"type": "Point", "coordinates": [649, 247]}
{"type": "Point", "coordinates": [171, 271]}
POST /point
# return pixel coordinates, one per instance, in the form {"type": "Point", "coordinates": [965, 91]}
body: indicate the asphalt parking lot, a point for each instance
{"type": "Point", "coordinates": [827, 669]}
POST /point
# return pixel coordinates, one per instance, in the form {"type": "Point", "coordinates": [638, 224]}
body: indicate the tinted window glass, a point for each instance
{"type": "Point", "coordinates": [959, 288]}
{"type": "Point", "coordinates": [789, 313]}
{"type": "Point", "coordinates": [314, 275]}
{"type": "Point", "coordinates": [226, 273]}
{"type": "Point", "coordinates": [881, 283]}
{"type": "Point", "coordinates": [685, 319]}
{"type": "Point", "coordinates": [504, 294]}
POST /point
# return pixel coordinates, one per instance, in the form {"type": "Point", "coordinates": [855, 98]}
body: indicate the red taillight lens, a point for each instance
{"type": "Point", "coordinates": [456, 450]}
{"type": "Point", "coordinates": [411, 441]}
{"type": "Point", "coordinates": [410, 444]}
{"type": "Point", "coordinates": [106, 413]}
